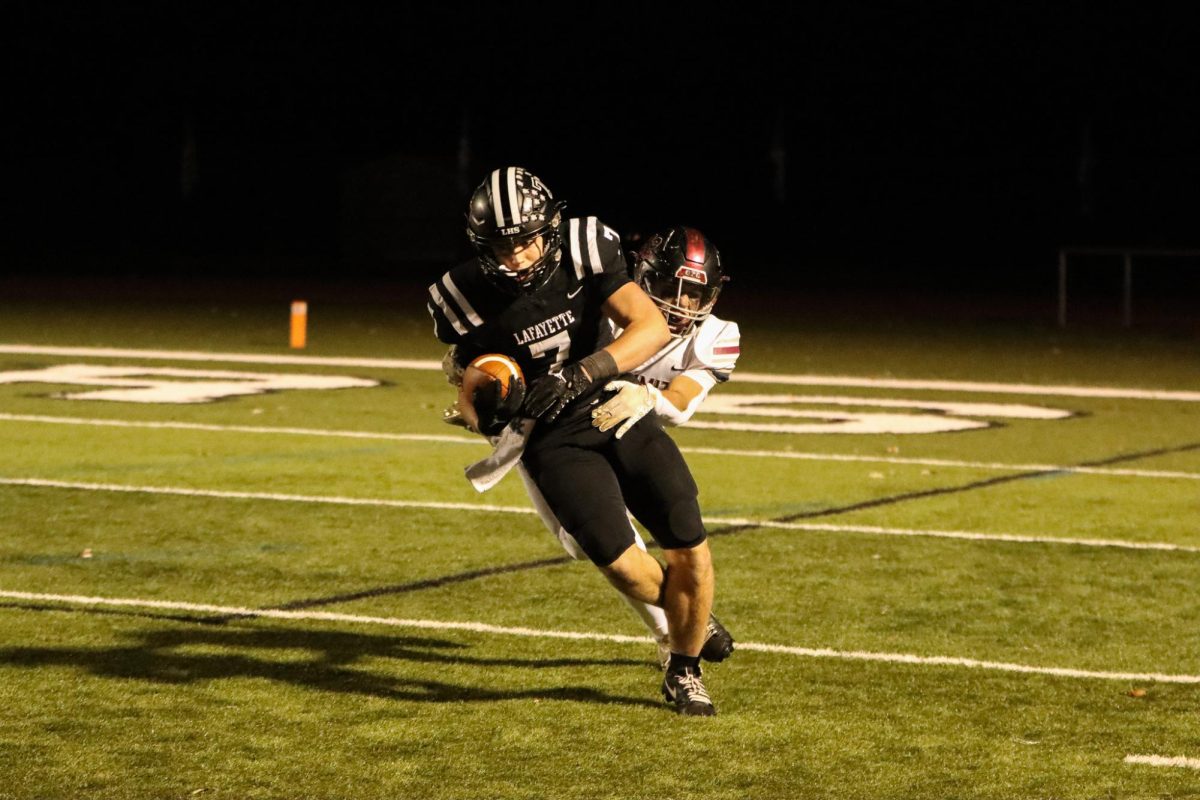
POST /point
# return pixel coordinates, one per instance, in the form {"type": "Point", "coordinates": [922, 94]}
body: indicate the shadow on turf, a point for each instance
{"type": "Point", "coordinates": [325, 661]}
{"type": "Point", "coordinates": [729, 530]}
{"type": "Point", "coordinates": [413, 586]}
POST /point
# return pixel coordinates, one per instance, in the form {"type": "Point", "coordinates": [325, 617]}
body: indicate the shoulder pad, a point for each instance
{"type": "Point", "coordinates": [451, 295]}
{"type": "Point", "coordinates": [595, 248]}
{"type": "Point", "coordinates": [716, 346]}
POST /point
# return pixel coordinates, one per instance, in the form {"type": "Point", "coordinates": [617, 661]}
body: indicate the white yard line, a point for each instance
{"type": "Point", "coordinates": [815, 527]}
{"type": "Point", "coordinates": [1164, 761]}
{"type": "Point", "coordinates": [974, 536]}
{"type": "Point", "coordinates": [942, 462]}
{"type": "Point", "coordinates": [233, 358]}
{"type": "Point", "coordinates": [196, 426]}
{"type": "Point", "coordinates": [481, 627]}
{"type": "Point", "coordinates": [1112, 392]}
{"type": "Point", "coordinates": [713, 451]}
{"type": "Point", "coordinates": [288, 498]}
{"type": "Point", "coordinates": [740, 377]}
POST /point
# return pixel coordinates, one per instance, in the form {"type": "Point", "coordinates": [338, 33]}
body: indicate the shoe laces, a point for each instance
{"type": "Point", "coordinates": [693, 687]}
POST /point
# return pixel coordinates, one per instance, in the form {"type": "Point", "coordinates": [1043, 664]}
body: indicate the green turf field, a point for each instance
{"type": "Point", "coordinates": [420, 652]}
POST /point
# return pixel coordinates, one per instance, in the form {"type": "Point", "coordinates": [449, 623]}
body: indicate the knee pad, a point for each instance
{"type": "Point", "coordinates": [686, 527]}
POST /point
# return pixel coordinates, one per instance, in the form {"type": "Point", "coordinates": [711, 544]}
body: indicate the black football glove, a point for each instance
{"type": "Point", "coordinates": [550, 394]}
{"type": "Point", "coordinates": [495, 411]}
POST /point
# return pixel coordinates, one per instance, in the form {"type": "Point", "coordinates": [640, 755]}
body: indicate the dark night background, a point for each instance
{"type": "Point", "coordinates": [904, 146]}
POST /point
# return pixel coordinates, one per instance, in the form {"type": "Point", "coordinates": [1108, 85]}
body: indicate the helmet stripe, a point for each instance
{"type": "Point", "coordinates": [695, 247]}
{"type": "Point", "coordinates": [514, 202]}
{"type": "Point", "coordinates": [497, 199]}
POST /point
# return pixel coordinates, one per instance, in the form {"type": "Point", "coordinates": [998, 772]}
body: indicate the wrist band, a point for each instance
{"type": "Point", "coordinates": [599, 366]}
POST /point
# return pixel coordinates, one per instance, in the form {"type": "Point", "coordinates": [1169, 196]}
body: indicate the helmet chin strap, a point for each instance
{"type": "Point", "coordinates": [548, 264]}
{"type": "Point", "coordinates": [538, 281]}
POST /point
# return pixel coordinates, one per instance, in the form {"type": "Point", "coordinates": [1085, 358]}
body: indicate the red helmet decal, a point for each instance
{"type": "Point", "coordinates": [692, 274]}
{"type": "Point", "coordinates": [695, 248]}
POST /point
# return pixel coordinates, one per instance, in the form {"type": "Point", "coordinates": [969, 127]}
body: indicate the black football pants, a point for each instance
{"type": "Point", "coordinates": [589, 478]}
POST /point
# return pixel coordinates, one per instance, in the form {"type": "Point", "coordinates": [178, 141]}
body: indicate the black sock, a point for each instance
{"type": "Point", "coordinates": [680, 662]}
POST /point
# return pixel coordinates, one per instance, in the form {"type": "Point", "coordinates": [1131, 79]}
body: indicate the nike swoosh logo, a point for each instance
{"type": "Point", "coordinates": [571, 295]}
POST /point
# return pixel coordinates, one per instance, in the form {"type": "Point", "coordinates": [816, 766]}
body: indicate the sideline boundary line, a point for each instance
{"type": "Point", "coordinates": [1131, 393]}
{"type": "Point", "coordinates": [1164, 761]}
{"type": "Point", "coordinates": [713, 451]}
{"type": "Point", "coordinates": [740, 522]}
{"type": "Point", "coordinates": [481, 627]}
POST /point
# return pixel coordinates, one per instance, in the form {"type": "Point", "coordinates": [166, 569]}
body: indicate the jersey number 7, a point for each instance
{"type": "Point", "coordinates": [560, 343]}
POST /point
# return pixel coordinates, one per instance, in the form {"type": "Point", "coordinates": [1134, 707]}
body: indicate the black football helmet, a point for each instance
{"type": "Point", "coordinates": [681, 271]}
{"type": "Point", "coordinates": [511, 208]}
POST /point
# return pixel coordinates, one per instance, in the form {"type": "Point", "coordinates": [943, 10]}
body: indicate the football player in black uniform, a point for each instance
{"type": "Point", "coordinates": [541, 290]}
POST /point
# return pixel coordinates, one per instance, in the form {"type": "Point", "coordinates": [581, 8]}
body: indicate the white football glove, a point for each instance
{"type": "Point", "coordinates": [632, 402]}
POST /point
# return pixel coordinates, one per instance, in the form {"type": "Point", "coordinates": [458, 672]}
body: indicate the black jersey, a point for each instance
{"type": "Point", "coordinates": [559, 323]}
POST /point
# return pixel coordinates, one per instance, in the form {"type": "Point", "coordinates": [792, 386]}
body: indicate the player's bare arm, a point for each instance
{"type": "Point", "coordinates": [644, 329]}
{"type": "Point", "coordinates": [682, 391]}
{"type": "Point", "coordinates": [644, 334]}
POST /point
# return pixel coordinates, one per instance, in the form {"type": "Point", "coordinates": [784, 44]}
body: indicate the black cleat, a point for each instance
{"type": "Point", "coordinates": [718, 644]}
{"type": "Point", "coordinates": [686, 693]}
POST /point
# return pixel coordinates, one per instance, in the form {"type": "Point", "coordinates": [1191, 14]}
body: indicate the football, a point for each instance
{"type": "Point", "coordinates": [483, 370]}
{"type": "Point", "coordinates": [492, 366]}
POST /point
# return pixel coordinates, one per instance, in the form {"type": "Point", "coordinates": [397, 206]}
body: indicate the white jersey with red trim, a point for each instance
{"type": "Point", "coordinates": [707, 355]}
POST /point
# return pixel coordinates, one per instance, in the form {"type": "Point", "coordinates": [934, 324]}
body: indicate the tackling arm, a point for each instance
{"type": "Point", "coordinates": [684, 395]}
{"type": "Point", "coordinates": [718, 348]}
{"type": "Point", "coordinates": [673, 405]}
{"type": "Point", "coordinates": [645, 331]}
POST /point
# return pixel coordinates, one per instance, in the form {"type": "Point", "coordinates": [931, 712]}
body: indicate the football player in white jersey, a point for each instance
{"type": "Point", "coordinates": [681, 271]}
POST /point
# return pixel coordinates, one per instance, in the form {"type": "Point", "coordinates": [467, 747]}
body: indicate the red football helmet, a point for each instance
{"type": "Point", "coordinates": [681, 271]}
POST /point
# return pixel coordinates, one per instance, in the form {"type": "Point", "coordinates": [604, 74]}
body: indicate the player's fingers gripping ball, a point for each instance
{"type": "Point", "coordinates": [491, 394]}
{"type": "Point", "coordinates": [631, 402]}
